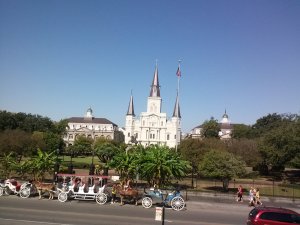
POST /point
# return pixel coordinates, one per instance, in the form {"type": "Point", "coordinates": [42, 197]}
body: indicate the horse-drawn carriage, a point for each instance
{"type": "Point", "coordinates": [81, 187]}
{"type": "Point", "coordinates": [155, 196]}
{"type": "Point", "coordinates": [12, 186]}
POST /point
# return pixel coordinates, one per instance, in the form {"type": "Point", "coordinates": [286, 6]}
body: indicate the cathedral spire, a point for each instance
{"type": "Point", "coordinates": [155, 89]}
{"type": "Point", "coordinates": [130, 111]}
{"type": "Point", "coordinates": [176, 112]}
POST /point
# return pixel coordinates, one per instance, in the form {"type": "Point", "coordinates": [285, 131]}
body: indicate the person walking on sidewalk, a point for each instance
{"type": "Point", "coordinates": [240, 194]}
{"type": "Point", "coordinates": [252, 194]}
{"type": "Point", "coordinates": [113, 193]}
{"type": "Point", "coordinates": [257, 197]}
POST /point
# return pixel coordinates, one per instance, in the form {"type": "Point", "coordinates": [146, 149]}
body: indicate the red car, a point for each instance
{"type": "Point", "coordinates": [263, 215]}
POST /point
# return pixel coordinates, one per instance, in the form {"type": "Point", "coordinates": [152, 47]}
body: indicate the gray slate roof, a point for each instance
{"type": "Point", "coordinates": [88, 120]}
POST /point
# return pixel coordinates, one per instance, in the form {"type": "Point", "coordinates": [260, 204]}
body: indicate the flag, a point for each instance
{"type": "Point", "coordinates": [178, 72]}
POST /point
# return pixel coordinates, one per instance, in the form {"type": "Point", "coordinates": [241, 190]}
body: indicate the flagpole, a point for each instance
{"type": "Point", "coordinates": [178, 76]}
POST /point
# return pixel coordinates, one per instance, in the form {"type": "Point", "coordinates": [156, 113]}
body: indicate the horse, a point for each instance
{"type": "Point", "coordinates": [44, 187]}
{"type": "Point", "coordinates": [128, 193]}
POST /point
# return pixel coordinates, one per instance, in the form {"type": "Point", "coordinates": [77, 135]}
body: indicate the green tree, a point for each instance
{"type": "Point", "coordinates": [7, 121]}
{"type": "Point", "coordinates": [25, 122]}
{"type": "Point", "coordinates": [105, 151]}
{"type": "Point", "coordinates": [281, 145]}
{"type": "Point", "coordinates": [60, 127]}
{"type": "Point", "coordinates": [8, 162]}
{"type": "Point", "coordinates": [247, 150]}
{"type": "Point", "coordinates": [192, 150]}
{"type": "Point", "coordinates": [16, 141]}
{"type": "Point", "coordinates": [221, 165]}
{"type": "Point", "coordinates": [210, 128]}
{"type": "Point", "coordinates": [42, 163]}
{"type": "Point", "coordinates": [159, 165]}
{"type": "Point", "coordinates": [242, 131]}
{"type": "Point", "coordinates": [82, 146]}
{"type": "Point", "coordinates": [125, 164]}
{"type": "Point", "coordinates": [54, 141]}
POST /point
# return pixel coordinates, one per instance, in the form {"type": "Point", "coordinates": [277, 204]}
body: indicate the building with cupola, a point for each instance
{"type": "Point", "coordinates": [225, 127]}
{"type": "Point", "coordinates": [224, 133]}
{"type": "Point", "coordinates": [91, 127]}
{"type": "Point", "coordinates": [153, 127]}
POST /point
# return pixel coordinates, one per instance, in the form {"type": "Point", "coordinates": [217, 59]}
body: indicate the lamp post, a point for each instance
{"type": "Point", "coordinates": [193, 166]}
{"type": "Point", "coordinates": [56, 167]}
{"type": "Point", "coordinates": [92, 166]}
{"type": "Point", "coordinates": [70, 167]}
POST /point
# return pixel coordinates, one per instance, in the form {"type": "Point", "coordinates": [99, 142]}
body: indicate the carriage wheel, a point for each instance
{"type": "Point", "coordinates": [1, 191]}
{"type": "Point", "coordinates": [147, 202]}
{"type": "Point", "coordinates": [177, 203]}
{"type": "Point", "coordinates": [7, 191]}
{"type": "Point", "coordinates": [25, 192]}
{"type": "Point", "coordinates": [62, 196]}
{"type": "Point", "coordinates": [101, 198]}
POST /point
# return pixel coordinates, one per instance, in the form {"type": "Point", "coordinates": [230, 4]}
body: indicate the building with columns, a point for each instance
{"type": "Point", "coordinates": [153, 126]}
{"type": "Point", "coordinates": [91, 127]}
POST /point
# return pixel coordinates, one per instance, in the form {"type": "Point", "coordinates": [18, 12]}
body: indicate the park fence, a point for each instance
{"type": "Point", "coordinates": [268, 188]}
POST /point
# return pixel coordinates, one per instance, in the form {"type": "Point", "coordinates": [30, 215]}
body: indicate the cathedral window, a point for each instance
{"type": "Point", "coordinates": [161, 123]}
{"type": "Point", "coordinates": [168, 136]}
{"type": "Point", "coordinates": [175, 136]}
{"type": "Point", "coordinates": [128, 135]}
{"type": "Point", "coordinates": [153, 136]}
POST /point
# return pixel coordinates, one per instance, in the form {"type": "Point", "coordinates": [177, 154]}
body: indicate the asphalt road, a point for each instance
{"type": "Point", "coordinates": [17, 211]}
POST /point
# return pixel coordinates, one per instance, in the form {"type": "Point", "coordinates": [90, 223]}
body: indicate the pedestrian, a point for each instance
{"type": "Point", "coordinates": [251, 197]}
{"type": "Point", "coordinates": [257, 197]}
{"type": "Point", "coordinates": [113, 193]}
{"type": "Point", "coordinates": [240, 194]}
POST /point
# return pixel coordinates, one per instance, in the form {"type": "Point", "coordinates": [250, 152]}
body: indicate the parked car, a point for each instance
{"type": "Point", "coordinates": [263, 215]}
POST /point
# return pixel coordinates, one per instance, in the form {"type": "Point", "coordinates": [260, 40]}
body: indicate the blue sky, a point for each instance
{"type": "Point", "coordinates": [59, 57]}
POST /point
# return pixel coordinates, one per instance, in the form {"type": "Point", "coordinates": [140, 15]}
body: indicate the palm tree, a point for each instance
{"type": "Point", "coordinates": [125, 163]}
{"type": "Point", "coordinates": [42, 164]}
{"type": "Point", "coordinates": [159, 164]}
{"type": "Point", "coordinates": [8, 163]}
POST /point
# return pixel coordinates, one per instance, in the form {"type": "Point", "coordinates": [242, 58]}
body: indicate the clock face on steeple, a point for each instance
{"type": "Point", "coordinates": [153, 108]}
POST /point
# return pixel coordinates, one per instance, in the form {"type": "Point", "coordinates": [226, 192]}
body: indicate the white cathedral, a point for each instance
{"type": "Point", "coordinates": [153, 126]}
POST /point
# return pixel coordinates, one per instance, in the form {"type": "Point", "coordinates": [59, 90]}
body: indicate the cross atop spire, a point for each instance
{"type": "Point", "coordinates": [155, 88]}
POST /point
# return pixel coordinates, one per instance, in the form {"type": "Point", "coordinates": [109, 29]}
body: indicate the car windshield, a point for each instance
{"type": "Point", "coordinates": [296, 219]}
{"type": "Point", "coordinates": [253, 213]}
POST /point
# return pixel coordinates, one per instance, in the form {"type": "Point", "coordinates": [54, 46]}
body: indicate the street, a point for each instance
{"type": "Point", "coordinates": [16, 211]}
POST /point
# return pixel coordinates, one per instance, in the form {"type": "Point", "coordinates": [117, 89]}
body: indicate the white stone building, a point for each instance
{"type": "Point", "coordinates": [153, 126]}
{"type": "Point", "coordinates": [225, 129]}
{"type": "Point", "coordinates": [91, 127]}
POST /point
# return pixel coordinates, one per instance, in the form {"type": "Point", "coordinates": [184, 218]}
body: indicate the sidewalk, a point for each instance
{"type": "Point", "coordinates": [204, 197]}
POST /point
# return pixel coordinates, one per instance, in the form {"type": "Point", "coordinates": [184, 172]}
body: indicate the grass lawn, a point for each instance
{"type": "Point", "coordinates": [87, 159]}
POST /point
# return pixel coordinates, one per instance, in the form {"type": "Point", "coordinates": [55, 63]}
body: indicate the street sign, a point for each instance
{"type": "Point", "coordinates": [158, 213]}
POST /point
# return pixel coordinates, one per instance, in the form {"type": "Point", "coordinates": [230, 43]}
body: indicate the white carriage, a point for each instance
{"type": "Point", "coordinates": [82, 187]}
{"type": "Point", "coordinates": [12, 186]}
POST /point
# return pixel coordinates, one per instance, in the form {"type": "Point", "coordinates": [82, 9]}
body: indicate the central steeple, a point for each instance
{"type": "Point", "coordinates": [155, 89]}
{"type": "Point", "coordinates": [154, 99]}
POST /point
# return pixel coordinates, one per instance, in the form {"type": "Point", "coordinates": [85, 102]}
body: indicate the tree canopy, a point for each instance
{"type": "Point", "coordinates": [221, 165]}
{"type": "Point", "coordinates": [210, 128]}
